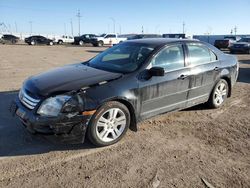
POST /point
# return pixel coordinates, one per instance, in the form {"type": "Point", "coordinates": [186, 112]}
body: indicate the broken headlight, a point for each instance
{"type": "Point", "coordinates": [53, 105]}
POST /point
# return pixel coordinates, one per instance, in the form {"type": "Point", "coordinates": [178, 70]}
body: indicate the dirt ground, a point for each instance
{"type": "Point", "coordinates": [177, 149]}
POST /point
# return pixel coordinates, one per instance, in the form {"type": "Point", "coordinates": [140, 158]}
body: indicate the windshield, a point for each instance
{"type": "Point", "coordinates": [122, 58]}
{"type": "Point", "coordinates": [102, 35]}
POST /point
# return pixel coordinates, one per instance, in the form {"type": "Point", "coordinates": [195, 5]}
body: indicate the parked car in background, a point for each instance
{"type": "Point", "coordinates": [107, 39]}
{"type": "Point", "coordinates": [174, 35]}
{"type": "Point", "coordinates": [63, 39]}
{"type": "Point", "coordinates": [243, 45]}
{"type": "Point", "coordinates": [144, 36]}
{"type": "Point", "coordinates": [9, 39]}
{"type": "Point", "coordinates": [134, 80]}
{"type": "Point", "coordinates": [226, 42]}
{"type": "Point", "coordinates": [37, 39]}
{"type": "Point", "coordinates": [84, 39]}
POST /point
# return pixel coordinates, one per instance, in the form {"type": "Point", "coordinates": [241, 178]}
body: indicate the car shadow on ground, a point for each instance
{"type": "Point", "coordinates": [245, 62]}
{"type": "Point", "coordinates": [94, 51]}
{"type": "Point", "coordinates": [15, 140]}
{"type": "Point", "coordinates": [244, 75]}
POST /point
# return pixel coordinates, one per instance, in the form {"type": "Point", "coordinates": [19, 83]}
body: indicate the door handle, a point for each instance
{"type": "Point", "coordinates": [182, 77]}
{"type": "Point", "coordinates": [216, 68]}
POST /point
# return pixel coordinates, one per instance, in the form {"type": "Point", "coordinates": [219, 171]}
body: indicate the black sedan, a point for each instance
{"type": "Point", "coordinates": [84, 39]}
{"type": "Point", "coordinates": [9, 39]}
{"type": "Point", "coordinates": [37, 39]}
{"type": "Point", "coordinates": [134, 80]}
{"type": "Point", "coordinates": [243, 45]}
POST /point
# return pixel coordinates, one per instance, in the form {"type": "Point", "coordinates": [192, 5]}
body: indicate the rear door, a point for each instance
{"type": "Point", "coordinates": [160, 94]}
{"type": "Point", "coordinates": [204, 71]}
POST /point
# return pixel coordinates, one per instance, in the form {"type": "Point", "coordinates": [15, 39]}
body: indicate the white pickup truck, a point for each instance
{"type": "Point", "coordinates": [107, 39]}
{"type": "Point", "coordinates": [63, 39]}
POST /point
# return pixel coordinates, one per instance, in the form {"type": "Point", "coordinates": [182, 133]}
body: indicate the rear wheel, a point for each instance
{"type": "Point", "coordinates": [100, 43]}
{"type": "Point", "coordinates": [60, 42]}
{"type": "Point", "coordinates": [109, 124]}
{"type": "Point", "coordinates": [219, 94]}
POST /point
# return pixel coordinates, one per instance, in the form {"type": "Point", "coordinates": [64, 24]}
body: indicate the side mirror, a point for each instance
{"type": "Point", "coordinates": [157, 71]}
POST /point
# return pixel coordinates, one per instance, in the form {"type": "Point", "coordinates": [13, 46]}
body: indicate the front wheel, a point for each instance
{"type": "Point", "coordinates": [109, 124]}
{"type": "Point", "coordinates": [219, 94]}
{"type": "Point", "coordinates": [51, 43]}
{"type": "Point", "coordinates": [81, 43]}
{"type": "Point", "coordinates": [33, 42]}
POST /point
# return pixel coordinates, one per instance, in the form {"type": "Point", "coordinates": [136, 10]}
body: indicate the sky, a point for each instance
{"type": "Point", "coordinates": [129, 16]}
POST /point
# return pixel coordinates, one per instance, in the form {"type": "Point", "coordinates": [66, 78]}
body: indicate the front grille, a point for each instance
{"type": "Point", "coordinates": [27, 101]}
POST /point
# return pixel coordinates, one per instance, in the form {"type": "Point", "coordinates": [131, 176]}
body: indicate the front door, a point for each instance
{"type": "Point", "coordinates": [160, 94]}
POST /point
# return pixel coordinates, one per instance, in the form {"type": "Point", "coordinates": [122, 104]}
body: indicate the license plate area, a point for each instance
{"type": "Point", "coordinates": [20, 113]}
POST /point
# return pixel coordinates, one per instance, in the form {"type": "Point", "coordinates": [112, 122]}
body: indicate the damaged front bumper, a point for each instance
{"type": "Point", "coordinates": [67, 127]}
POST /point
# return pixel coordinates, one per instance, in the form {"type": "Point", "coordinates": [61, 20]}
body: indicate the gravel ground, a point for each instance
{"type": "Point", "coordinates": [178, 149]}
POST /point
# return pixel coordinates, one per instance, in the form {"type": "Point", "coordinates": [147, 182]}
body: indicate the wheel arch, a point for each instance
{"type": "Point", "coordinates": [228, 80]}
{"type": "Point", "coordinates": [133, 122]}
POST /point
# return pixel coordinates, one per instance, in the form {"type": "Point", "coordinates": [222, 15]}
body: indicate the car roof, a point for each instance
{"type": "Point", "coordinates": [159, 41]}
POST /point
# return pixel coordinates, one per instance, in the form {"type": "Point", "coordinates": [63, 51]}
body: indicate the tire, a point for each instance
{"type": "Point", "coordinates": [109, 124]}
{"type": "Point", "coordinates": [60, 42]}
{"type": "Point", "coordinates": [100, 43]}
{"type": "Point", "coordinates": [51, 43]}
{"type": "Point", "coordinates": [81, 43]}
{"type": "Point", "coordinates": [219, 94]}
{"type": "Point", "coordinates": [33, 42]}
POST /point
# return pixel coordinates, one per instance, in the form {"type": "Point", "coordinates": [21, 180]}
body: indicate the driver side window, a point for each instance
{"type": "Point", "coordinates": [170, 58]}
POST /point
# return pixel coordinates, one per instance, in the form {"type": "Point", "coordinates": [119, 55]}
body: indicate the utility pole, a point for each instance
{"type": "Point", "coordinates": [30, 27]}
{"type": "Point", "coordinates": [78, 15]}
{"type": "Point", "coordinates": [120, 29]}
{"type": "Point", "coordinates": [65, 29]}
{"type": "Point", "coordinates": [71, 27]}
{"type": "Point", "coordinates": [113, 24]}
{"type": "Point", "coordinates": [235, 30]}
{"type": "Point", "coordinates": [16, 27]}
{"type": "Point", "coordinates": [183, 27]}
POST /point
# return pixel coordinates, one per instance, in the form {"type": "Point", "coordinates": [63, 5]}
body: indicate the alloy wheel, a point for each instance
{"type": "Point", "coordinates": [220, 93]}
{"type": "Point", "coordinates": [111, 125]}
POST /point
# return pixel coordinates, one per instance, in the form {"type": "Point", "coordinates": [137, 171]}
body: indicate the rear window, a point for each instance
{"type": "Point", "coordinates": [200, 54]}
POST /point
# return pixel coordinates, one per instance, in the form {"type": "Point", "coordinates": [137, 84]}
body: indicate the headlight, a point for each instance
{"type": "Point", "coordinates": [53, 105]}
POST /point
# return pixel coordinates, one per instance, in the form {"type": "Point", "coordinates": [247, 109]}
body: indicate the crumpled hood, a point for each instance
{"type": "Point", "coordinates": [67, 78]}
